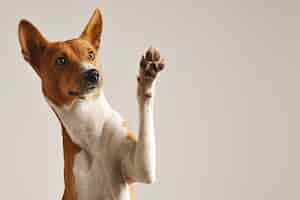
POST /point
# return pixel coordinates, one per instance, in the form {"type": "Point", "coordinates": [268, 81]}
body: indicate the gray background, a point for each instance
{"type": "Point", "coordinates": [227, 107]}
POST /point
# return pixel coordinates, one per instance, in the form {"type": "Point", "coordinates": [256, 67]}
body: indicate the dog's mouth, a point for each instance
{"type": "Point", "coordinates": [82, 94]}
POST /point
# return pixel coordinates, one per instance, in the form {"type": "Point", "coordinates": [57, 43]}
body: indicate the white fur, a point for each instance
{"type": "Point", "coordinates": [86, 65]}
{"type": "Point", "coordinates": [107, 157]}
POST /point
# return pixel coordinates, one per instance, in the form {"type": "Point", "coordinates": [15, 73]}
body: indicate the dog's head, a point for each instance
{"type": "Point", "coordinates": [69, 70]}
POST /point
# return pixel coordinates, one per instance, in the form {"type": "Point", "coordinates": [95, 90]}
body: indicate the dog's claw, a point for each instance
{"type": "Point", "coordinates": [143, 62]}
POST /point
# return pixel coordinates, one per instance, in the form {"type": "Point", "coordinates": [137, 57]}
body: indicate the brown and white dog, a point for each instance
{"type": "Point", "coordinates": [102, 157]}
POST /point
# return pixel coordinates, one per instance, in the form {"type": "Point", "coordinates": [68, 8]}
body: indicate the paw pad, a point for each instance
{"type": "Point", "coordinates": [151, 64]}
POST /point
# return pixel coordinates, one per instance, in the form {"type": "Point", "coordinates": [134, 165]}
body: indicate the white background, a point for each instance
{"type": "Point", "coordinates": [227, 107]}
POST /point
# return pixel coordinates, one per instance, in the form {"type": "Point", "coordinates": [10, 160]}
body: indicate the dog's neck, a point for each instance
{"type": "Point", "coordinates": [84, 120]}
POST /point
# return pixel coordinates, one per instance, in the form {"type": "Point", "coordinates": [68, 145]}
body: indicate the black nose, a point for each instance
{"type": "Point", "coordinates": [92, 76]}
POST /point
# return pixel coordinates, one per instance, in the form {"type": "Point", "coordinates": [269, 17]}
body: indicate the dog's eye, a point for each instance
{"type": "Point", "coordinates": [91, 55]}
{"type": "Point", "coordinates": [61, 61]}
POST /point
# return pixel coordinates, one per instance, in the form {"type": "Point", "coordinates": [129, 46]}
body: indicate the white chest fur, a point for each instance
{"type": "Point", "coordinates": [84, 120]}
{"type": "Point", "coordinates": [98, 130]}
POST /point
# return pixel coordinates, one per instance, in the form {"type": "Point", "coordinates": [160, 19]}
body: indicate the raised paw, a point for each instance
{"type": "Point", "coordinates": [150, 66]}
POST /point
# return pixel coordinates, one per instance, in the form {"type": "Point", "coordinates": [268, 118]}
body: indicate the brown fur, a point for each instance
{"type": "Point", "coordinates": [58, 81]}
{"type": "Point", "coordinates": [68, 79]}
{"type": "Point", "coordinates": [70, 149]}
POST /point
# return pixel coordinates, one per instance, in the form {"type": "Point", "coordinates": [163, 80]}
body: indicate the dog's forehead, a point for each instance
{"type": "Point", "coordinates": [79, 46]}
{"type": "Point", "coordinates": [55, 47]}
{"type": "Point", "coordinates": [73, 47]}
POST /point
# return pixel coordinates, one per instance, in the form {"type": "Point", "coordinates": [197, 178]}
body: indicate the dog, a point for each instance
{"type": "Point", "coordinates": [102, 156]}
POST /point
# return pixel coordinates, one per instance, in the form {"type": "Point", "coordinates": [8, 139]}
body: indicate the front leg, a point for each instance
{"type": "Point", "coordinates": [140, 164]}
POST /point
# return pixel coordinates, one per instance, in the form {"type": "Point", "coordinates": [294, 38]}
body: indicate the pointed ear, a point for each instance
{"type": "Point", "coordinates": [93, 29]}
{"type": "Point", "coordinates": [32, 42]}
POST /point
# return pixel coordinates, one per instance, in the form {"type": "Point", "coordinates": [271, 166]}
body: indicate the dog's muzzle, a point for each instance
{"type": "Point", "coordinates": [90, 81]}
{"type": "Point", "coordinates": [91, 77]}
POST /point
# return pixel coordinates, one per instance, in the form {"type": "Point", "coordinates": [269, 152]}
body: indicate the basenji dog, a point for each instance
{"type": "Point", "coordinates": [102, 156]}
